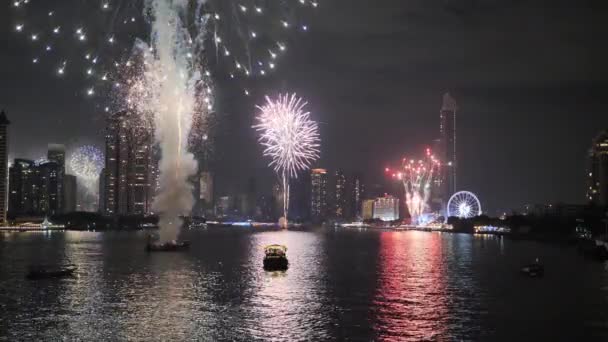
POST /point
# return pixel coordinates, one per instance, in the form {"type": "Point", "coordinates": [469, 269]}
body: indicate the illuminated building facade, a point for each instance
{"type": "Point", "coordinates": [56, 154]}
{"type": "Point", "coordinates": [127, 173]}
{"type": "Point", "coordinates": [597, 188]}
{"type": "Point", "coordinates": [357, 192]}
{"type": "Point", "coordinates": [367, 209]}
{"type": "Point", "coordinates": [386, 208]}
{"type": "Point", "coordinates": [50, 178]}
{"type": "Point", "coordinates": [22, 187]}
{"type": "Point", "coordinates": [340, 196]}
{"type": "Point", "coordinates": [34, 189]}
{"type": "Point", "coordinates": [318, 201]}
{"type": "Point", "coordinates": [447, 146]}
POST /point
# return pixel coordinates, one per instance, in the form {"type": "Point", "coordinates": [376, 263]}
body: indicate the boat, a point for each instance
{"type": "Point", "coordinates": [535, 269]}
{"type": "Point", "coordinates": [275, 258]}
{"type": "Point", "coordinates": [44, 272]}
{"type": "Point", "coordinates": [170, 246]}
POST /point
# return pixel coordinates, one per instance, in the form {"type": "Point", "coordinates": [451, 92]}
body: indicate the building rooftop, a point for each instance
{"type": "Point", "coordinates": [449, 104]}
{"type": "Point", "coordinates": [3, 119]}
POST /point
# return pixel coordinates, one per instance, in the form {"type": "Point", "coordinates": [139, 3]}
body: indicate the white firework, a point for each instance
{"type": "Point", "coordinates": [289, 137]}
{"type": "Point", "coordinates": [87, 162]}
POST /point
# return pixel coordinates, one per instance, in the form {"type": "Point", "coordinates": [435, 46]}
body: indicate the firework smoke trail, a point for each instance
{"type": "Point", "coordinates": [173, 79]}
{"type": "Point", "coordinates": [417, 177]}
{"type": "Point", "coordinates": [289, 137]}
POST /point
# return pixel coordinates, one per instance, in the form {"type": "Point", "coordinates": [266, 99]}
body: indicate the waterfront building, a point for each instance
{"type": "Point", "coordinates": [277, 201]}
{"type": "Point", "coordinates": [4, 123]}
{"type": "Point", "coordinates": [318, 200]}
{"type": "Point", "coordinates": [50, 185]}
{"type": "Point", "coordinates": [597, 180]}
{"type": "Point", "coordinates": [340, 196]}
{"type": "Point", "coordinates": [299, 198]}
{"type": "Point", "coordinates": [102, 187]}
{"type": "Point", "coordinates": [367, 209]}
{"type": "Point", "coordinates": [223, 206]}
{"type": "Point", "coordinates": [204, 196]}
{"type": "Point", "coordinates": [447, 146]}
{"type": "Point", "coordinates": [386, 208]}
{"type": "Point", "coordinates": [127, 173]}
{"type": "Point", "coordinates": [34, 189]}
{"type": "Point", "coordinates": [70, 193]}
{"type": "Point", "coordinates": [56, 154]}
{"type": "Point", "coordinates": [23, 191]}
{"type": "Point", "coordinates": [357, 191]}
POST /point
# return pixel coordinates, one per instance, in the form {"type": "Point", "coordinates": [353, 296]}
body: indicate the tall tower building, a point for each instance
{"type": "Point", "coordinates": [56, 154]}
{"type": "Point", "coordinates": [34, 189]}
{"type": "Point", "coordinates": [447, 145]}
{"type": "Point", "coordinates": [340, 196]}
{"type": "Point", "coordinates": [299, 198]}
{"type": "Point", "coordinates": [3, 166]}
{"type": "Point", "coordinates": [50, 180]}
{"type": "Point", "coordinates": [356, 196]}
{"type": "Point", "coordinates": [597, 189]}
{"type": "Point", "coordinates": [127, 172]}
{"type": "Point", "coordinates": [23, 191]}
{"type": "Point", "coordinates": [318, 201]}
{"type": "Point", "coordinates": [70, 191]}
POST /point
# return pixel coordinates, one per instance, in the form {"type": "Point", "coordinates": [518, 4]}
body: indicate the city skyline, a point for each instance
{"type": "Point", "coordinates": [516, 123]}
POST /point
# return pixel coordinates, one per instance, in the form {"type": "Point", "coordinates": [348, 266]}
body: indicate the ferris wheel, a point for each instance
{"type": "Point", "coordinates": [464, 204]}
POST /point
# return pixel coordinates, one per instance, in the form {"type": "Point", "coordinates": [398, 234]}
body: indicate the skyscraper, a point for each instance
{"type": "Point", "coordinates": [56, 154]}
{"type": "Point", "coordinates": [318, 201]}
{"type": "Point", "coordinates": [340, 196]}
{"type": "Point", "coordinates": [597, 189]}
{"type": "Point", "coordinates": [34, 189]}
{"type": "Point", "coordinates": [102, 191]}
{"type": "Point", "coordinates": [357, 191]}
{"type": "Point", "coordinates": [447, 145]}
{"type": "Point", "coordinates": [299, 198]}
{"type": "Point", "coordinates": [3, 166]}
{"type": "Point", "coordinates": [127, 173]}
{"type": "Point", "coordinates": [50, 180]}
{"type": "Point", "coordinates": [70, 191]}
{"type": "Point", "coordinates": [23, 191]}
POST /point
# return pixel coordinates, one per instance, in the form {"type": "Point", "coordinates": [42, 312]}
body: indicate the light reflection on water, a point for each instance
{"type": "Point", "coordinates": [411, 299]}
{"type": "Point", "coordinates": [341, 285]}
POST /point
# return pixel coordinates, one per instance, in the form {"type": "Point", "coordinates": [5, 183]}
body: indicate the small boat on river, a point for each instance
{"type": "Point", "coordinates": [275, 258]}
{"type": "Point", "coordinates": [48, 272]}
{"type": "Point", "coordinates": [535, 269]}
{"type": "Point", "coordinates": [170, 246]}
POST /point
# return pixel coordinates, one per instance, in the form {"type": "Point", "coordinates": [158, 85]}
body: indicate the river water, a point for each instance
{"type": "Point", "coordinates": [341, 285]}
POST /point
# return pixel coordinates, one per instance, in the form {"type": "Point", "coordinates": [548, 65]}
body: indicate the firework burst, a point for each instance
{"type": "Point", "coordinates": [87, 162]}
{"type": "Point", "coordinates": [418, 177]}
{"type": "Point", "coordinates": [289, 137]}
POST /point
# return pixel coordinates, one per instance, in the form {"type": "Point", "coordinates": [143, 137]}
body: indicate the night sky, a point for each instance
{"type": "Point", "coordinates": [530, 78]}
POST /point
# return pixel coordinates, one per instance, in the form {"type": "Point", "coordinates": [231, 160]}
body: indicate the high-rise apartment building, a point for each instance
{"type": "Point", "coordinates": [127, 173]}
{"type": "Point", "coordinates": [597, 187]}
{"type": "Point", "coordinates": [34, 188]}
{"type": "Point", "coordinates": [357, 191]}
{"type": "Point", "coordinates": [340, 196]}
{"type": "Point", "coordinates": [447, 146]}
{"type": "Point", "coordinates": [23, 187]}
{"type": "Point", "coordinates": [318, 201]}
{"type": "Point", "coordinates": [56, 154]}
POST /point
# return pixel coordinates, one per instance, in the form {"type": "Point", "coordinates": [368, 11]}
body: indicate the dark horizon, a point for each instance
{"type": "Point", "coordinates": [529, 79]}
